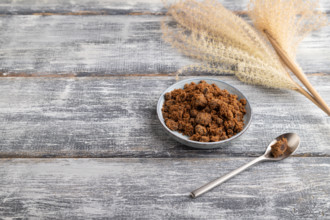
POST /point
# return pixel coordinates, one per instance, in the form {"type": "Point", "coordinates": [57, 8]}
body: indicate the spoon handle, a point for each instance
{"type": "Point", "coordinates": [224, 178]}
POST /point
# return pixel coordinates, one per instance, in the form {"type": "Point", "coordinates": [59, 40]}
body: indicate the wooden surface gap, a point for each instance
{"type": "Point", "coordinates": [197, 157]}
{"type": "Point", "coordinates": [95, 13]}
{"type": "Point", "coordinates": [101, 13]}
{"type": "Point", "coordinates": [101, 75]}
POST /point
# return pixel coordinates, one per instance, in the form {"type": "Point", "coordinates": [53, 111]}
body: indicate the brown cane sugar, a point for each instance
{"type": "Point", "coordinates": [204, 112]}
{"type": "Point", "coordinates": [280, 148]}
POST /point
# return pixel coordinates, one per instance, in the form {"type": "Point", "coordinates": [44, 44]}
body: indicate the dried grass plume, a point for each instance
{"type": "Point", "coordinates": [225, 43]}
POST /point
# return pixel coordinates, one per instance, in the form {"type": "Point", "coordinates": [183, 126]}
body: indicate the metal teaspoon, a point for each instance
{"type": "Point", "coordinates": [293, 143]}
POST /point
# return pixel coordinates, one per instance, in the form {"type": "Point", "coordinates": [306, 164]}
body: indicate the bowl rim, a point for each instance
{"type": "Point", "coordinates": [198, 142]}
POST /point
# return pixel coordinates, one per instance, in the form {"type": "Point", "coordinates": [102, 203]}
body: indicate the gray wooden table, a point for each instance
{"type": "Point", "coordinates": [79, 136]}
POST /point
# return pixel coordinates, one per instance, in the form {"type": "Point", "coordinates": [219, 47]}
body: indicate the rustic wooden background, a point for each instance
{"type": "Point", "coordinates": [79, 135]}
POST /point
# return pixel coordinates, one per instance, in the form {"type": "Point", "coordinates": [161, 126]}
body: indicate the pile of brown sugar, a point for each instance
{"type": "Point", "coordinates": [280, 147]}
{"type": "Point", "coordinates": [204, 112]}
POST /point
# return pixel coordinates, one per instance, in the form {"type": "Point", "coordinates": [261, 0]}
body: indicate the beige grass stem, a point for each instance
{"type": "Point", "coordinates": [302, 91]}
{"type": "Point", "coordinates": [297, 71]}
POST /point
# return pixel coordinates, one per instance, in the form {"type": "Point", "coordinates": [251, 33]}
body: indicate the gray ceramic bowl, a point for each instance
{"type": "Point", "coordinates": [183, 139]}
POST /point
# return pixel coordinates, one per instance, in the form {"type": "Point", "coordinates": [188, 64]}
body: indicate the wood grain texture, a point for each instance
{"type": "Point", "coordinates": [109, 45]}
{"type": "Point", "coordinates": [116, 117]}
{"type": "Point", "coordinates": [297, 188]}
{"type": "Point", "coordinates": [101, 7]}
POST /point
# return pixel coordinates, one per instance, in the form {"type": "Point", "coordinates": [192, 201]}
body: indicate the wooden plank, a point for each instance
{"type": "Point", "coordinates": [85, 45]}
{"type": "Point", "coordinates": [116, 117]}
{"type": "Point", "coordinates": [101, 7]}
{"type": "Point", "coordinates": [297, 188]}
{"type": "Point", "coordinates": [109, 45]}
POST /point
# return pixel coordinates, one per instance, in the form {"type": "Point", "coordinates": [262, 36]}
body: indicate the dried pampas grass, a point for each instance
{"type": "Point", "coordinates": [225, 43]}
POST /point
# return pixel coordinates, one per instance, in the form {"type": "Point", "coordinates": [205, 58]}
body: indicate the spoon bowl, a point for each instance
{"type": "Point", "coordinates": [293, 143]}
